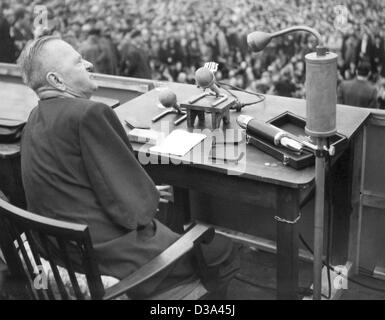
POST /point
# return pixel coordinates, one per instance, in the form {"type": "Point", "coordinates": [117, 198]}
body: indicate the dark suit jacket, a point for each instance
{"type": "Point", "coordinates": [358, 93]}
{"type": "Point", "coordinates": [7, 47]}
{"type": "Point", "coordinates": [78, 166]}
{"type": "Point", "coordinates": [135, 62]}
{"type": "Point", "coordinates": [368, 54]}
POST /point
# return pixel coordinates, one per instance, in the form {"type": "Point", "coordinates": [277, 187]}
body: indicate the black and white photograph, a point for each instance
{"type": "Point", "coordinates": [194, 155]}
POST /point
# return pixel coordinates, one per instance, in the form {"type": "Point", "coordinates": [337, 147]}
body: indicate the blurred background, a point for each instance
{"type": "Point", "coordinates": [167, 40]}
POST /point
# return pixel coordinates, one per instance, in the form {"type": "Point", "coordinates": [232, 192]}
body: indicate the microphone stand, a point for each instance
{"type": "Point", "coordinates": [223, 98]}
{"type": "Point", "coordinates": [320, 127]}
{"type": "Point", "coordinates": [172, 110]}
{"type": "Point", "coordinates": [298, 28]}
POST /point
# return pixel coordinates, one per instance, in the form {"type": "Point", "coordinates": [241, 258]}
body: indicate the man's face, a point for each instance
{"type": "Point", "coordinates": [68, 64]}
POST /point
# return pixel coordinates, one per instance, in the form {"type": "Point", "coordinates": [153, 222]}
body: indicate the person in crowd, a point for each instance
{"type": "Point", "coordinates": [284, 86]}
{"type": "Point", "coordinates": [381, 94]}
{"type": "Point", "coordinates": [359, 91]}
{"type": "Point", "coordinates": [110, 62]}
{"type": "Point", "coordinates": [7, 47]}
{"type": "Point", "coordinates": [199, 31]}
{"type": "Point", "coordinates": [92, 51]}
{"type": "Point", "coordinates": [134, 60]}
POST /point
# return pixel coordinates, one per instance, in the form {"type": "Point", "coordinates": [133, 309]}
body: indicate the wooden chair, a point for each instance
{"type": "Point", "coordinates": [52, 240]}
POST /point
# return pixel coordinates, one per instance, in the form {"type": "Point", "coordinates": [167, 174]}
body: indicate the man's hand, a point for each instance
{"type": "Point", "coordinates": [165, 193]}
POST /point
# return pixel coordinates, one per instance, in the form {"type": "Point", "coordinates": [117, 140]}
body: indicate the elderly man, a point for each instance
{"type": "Point", "coordinates": [78, 166]}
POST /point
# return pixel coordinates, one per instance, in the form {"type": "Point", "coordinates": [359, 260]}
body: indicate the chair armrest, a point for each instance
{"type": "Point", "coordinates": [198, 233]}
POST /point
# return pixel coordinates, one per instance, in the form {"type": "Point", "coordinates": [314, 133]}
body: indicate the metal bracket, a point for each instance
{"type": "Point", "coordinates": [279, 219]}
{"type": "Point", "coordinates": [176, 111]}
{"type": "Point", "coordinates": [222, 99]}
{"type": "Point", "coordinates": [325, 152]}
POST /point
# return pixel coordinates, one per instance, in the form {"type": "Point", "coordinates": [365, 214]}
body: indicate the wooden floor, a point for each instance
{"type": "Point", "coordinates": [256, 280]}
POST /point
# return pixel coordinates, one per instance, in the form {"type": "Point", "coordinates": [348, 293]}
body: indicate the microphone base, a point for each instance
{"type": "Point", "coordinates": [219, 107]}
{"type": "Point", "coordinates": [220, 98]}
{"type": "Point", "coordinates": [171, 111]}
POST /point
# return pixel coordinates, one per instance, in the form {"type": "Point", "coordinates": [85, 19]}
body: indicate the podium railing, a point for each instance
{"type": "Point", "coordinates": [115, 87]}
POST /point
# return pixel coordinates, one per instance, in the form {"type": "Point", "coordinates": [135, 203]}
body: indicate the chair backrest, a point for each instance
{"type": "Point", "coordinates": [27, 239]}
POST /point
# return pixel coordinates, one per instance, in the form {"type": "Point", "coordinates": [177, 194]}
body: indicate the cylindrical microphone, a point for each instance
{"type": "Point", "coordinates": [321, 94]}
{"type": "Point", "coordinates": [268, 132]}
{"type": "Point", "coordinates": [205, 79]}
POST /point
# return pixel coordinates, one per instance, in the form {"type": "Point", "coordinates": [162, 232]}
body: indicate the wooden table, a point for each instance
{"type": "Point", "coordinates": [279, 188]}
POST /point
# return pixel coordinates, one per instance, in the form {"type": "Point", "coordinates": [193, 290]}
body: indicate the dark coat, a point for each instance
{"type": "Point", "coordinates": [135, 62]}
{"type": "Point", "coordinates": [7, 45]}
{"type": "Point", "coordinates": [78, 166]}
{"type": "Point", "coordinates": [358, 93]}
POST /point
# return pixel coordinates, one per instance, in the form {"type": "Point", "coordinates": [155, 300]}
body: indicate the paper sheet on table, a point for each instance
{"type": "Point", "coordinates": [178, 143]}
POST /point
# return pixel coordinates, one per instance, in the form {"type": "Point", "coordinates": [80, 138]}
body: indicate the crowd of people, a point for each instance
{"type": "Point", "coordinates": [167, 40]}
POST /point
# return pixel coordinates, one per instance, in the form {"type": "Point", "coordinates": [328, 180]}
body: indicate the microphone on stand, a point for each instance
{"type": "Point", "coordinates": [260, 129]}
{"type": "Point", "coordinates": [167, 98]}
{"type": "Point", "coordinates": [205, 79]}
{"type": "Point", "coordinates": [321, 100]}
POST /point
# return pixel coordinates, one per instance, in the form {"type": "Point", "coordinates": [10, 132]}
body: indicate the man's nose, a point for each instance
{"type": "Point", "coordinates": [88, 65]}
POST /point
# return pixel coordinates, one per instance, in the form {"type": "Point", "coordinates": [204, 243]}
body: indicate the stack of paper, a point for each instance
{"type": "Point", "coordinates": [178, 143]}
{"type": "Point", "coordinates": [145, 136]}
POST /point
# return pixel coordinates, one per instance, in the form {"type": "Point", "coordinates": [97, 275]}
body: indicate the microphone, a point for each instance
{"type": "Point", "coordinates": [260, 129]}
{"type": "Point", "coordinates": [167, 98]}
{"type": "Point", "coordinates": [206, 79]}
{"type": "Point", "coordinates": [258, 40]}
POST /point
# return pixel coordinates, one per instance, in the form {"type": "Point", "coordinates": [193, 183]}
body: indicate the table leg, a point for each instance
{"type": "Point", "coordinates": [287, 244]}
{"type": "Point", "coordinates": [182, 208]}
{"type": "Point", "coordinates": [226, 117]}
{"type": "Point", "coordinates": [201, 117]}
{"type": "Point", "coordinates": [191, 115]}
{"type": "Point", "coordinates": [214, 120]}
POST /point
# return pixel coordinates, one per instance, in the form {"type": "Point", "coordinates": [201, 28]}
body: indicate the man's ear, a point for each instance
{"type": "Point", "coordinates": [55, 81]}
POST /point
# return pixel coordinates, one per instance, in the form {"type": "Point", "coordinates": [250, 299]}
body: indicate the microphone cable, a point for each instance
{"type": "Point", "coordinates": [329, 236]}
{"type": "Point", "coordinates": [332, 269]}
{"type": "Point", "coordinates": [242, 105]}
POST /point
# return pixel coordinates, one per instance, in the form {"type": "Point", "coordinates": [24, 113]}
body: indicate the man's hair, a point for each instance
{"type": "Point", "coordinates": [32, 68]}
{"type": "Point", "coordinates": [363, 68]}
